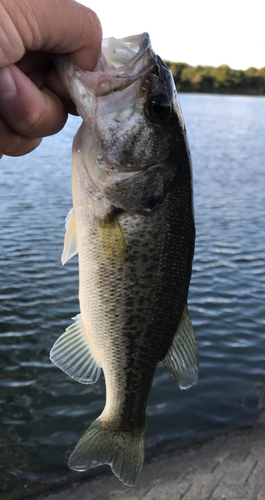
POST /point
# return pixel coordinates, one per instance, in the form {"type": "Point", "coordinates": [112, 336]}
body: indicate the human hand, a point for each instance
{"type": "Point", "coordinates": [33, 101]}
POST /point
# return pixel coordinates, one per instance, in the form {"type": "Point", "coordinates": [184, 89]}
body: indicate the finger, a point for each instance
{"type": "Point", "coordinates": [30, 112]}
{"type": "Point", "coordinates": [54, 83]}
{"type": "Point", "coordinates": [39, 68]}
{"type": "Point", "coordinates": [38, 71]}
{"type": "Point", "coordinates": [67, 27]}
{"type": "Point", "coordinates": [33, 61]}
{"type": "Point", "coordinates": [12, 144]}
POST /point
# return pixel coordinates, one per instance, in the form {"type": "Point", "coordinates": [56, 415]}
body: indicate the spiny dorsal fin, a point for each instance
{"type": "Point", "coordinates": [182, 360]}
{"type": "Point", "coordinates": [70, 239]}
{"type": "Point", "coordinates": [72, 354]}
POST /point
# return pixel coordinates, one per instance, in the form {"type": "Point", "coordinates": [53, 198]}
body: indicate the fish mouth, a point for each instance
{"type": "Point", "coordinates": [114, 86]}
{"type": "Point", "coordinates": [122, 62]}
{"type": "Point", "coordinates": [123, 53]}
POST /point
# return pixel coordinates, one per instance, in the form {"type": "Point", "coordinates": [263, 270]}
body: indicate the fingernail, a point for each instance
{"type": "Point", "coordinates": [8, 88]}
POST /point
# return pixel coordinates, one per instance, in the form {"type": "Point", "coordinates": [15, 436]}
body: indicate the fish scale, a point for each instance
{"type": "Point", "coordinates": [132, 227]}
{"type": "Point", "coordinates": [111, 288]}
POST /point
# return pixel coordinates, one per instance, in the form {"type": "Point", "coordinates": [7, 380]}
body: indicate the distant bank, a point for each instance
{"type": "Point", "coordinates": [220, 80]}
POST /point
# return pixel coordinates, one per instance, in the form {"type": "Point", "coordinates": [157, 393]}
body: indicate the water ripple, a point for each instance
{"type": "Point", "coordinates": [42, 411]}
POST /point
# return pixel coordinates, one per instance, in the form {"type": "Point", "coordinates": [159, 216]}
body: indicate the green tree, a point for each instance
{"type": "Point", "coordinates": [222, 79]}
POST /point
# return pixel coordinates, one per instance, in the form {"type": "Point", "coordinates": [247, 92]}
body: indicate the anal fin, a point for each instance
{"type": "Point", "coordinates": [182, 360]}
{"type": "Point", "coordinates": [72, 354]}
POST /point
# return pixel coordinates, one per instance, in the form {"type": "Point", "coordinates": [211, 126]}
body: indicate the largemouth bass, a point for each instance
{"type": "Point", "coordinates": [132, 226]}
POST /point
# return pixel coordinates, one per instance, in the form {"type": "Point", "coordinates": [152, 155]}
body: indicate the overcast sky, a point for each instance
{"type": "Point", "coordinates": [194, 31]}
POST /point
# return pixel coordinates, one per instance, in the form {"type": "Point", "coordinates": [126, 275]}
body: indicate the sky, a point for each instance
{"type": "Point", "coordinates": [206, 32]}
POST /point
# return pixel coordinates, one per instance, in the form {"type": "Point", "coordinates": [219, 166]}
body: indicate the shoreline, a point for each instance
{"type": "Point", "coordinates": [184, 471]}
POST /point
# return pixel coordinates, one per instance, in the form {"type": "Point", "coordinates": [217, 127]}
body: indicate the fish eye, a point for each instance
{"type": "Point", "coordinates": [158, 108]}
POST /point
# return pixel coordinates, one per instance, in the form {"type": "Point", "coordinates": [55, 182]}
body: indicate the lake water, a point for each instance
{"type": "Point", "coordinates": [43, 412]}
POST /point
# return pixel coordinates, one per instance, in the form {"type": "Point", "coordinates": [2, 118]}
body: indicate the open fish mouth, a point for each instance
{"type": "Point", "coordinates": [124, 52]}
{"type": "Point", "coordinates": [122, 62]}
{"type": "Point", "coordinates": [127, 103]}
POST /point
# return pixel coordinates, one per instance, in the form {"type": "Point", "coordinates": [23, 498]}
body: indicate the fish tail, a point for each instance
{"type": "Point", "coordinates": [123, 451]}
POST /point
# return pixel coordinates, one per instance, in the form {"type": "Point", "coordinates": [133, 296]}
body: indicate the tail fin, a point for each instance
{"type": "Point", "coordinates": [123, 451]}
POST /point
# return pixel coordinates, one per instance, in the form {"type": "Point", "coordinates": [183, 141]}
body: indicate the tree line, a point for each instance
{"type": "Point", "coordinates": [218, 80]}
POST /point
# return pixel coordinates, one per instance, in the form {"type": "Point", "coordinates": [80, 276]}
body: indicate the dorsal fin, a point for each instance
{"type": "Point", "coordinates": [72, 354]}
{"type": "Point", "coordinates": [182, 360]}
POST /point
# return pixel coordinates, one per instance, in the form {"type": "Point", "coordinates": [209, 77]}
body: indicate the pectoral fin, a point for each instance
{"type": "Point", "coordinates": [70, 239]}
{"type": "Point", "coordinates": [72, 354]}
{"type": "Point", "coordinates": [182, 360]}
{"type": "Point", "coordinates": [112, 242]}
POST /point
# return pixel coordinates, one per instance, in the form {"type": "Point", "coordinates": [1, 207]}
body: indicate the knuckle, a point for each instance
{"type": "Point", "coordinates": [11, 45]}
{"type": "Point", "coordinates": [95, 29]}
{"type": "Point", "coordinates": [26, 22]}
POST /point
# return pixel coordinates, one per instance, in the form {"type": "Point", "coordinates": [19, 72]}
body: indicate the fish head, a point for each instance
{"type": "Point", "coordinates": [133, 119]}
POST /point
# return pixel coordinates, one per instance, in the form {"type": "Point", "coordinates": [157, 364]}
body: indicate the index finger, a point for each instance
{"type": "Point", "coordinates": [64, 26]}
